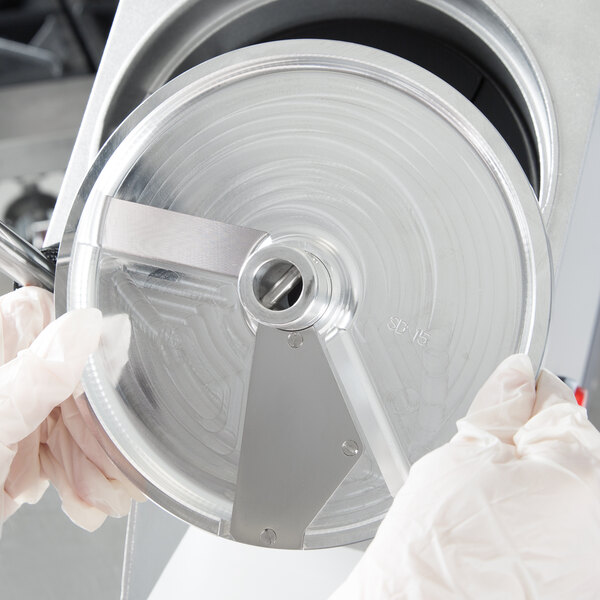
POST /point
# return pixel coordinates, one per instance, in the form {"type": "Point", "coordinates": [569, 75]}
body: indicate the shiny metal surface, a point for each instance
{"type": "Point", "coordinates": [376, 425]}
{"type": "Point", "coordinates": [427, 229]}
{"type": "Point", "coordinates": [291, 457]}
{"type": "Point", "coordinates": [316, 294]}
{"type": "Point", "coordinates": [147, 234]}
{"type": "Point", "coordinates": [281, 288]}
{"type": "Point", "coordinates": [572, 349]}
{"type": "Point", "coordinates": [477, 28]}
{"type": "Point", "coordinates": [23, 263]}
{"type": "Point", "coordinates": [558, 83]}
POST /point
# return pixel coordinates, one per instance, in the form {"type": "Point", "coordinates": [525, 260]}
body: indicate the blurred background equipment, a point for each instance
{"type": "Point", "coordinates": [49, 53]}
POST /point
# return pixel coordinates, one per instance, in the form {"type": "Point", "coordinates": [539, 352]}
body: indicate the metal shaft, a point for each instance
{"type": "Point", "coordinates": [22, 262]}
{"type": "Point", "coordinates": [284, 285]}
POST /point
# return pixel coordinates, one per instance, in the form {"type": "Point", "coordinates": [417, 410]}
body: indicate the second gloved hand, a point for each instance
{"type": "Point", "coordinates": [509, 509]}
{"type": "Point", "coordinates": [43, 436]}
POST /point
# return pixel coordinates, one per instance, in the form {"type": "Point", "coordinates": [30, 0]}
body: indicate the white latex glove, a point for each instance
{"type": "Point", "coordinates": [43, 436]}
{"type": "Point", "coordinates": [509, 509]}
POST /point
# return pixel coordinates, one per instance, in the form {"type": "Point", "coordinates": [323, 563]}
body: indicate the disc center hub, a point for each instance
{"type": "Point", "coordinates": [284, 287]}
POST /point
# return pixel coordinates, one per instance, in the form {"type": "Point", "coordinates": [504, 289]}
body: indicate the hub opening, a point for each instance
{"type": "Point", "coordinates": [278, 284]}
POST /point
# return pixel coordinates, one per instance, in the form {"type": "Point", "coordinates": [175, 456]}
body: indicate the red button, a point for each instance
{"type": "Point", "coordinates": [581, 395]}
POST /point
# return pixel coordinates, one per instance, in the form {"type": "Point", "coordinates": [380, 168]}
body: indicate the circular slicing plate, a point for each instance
{"type": "Point", "coordinates": [406, 194]}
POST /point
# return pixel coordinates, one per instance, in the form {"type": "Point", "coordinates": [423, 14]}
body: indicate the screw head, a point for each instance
{"type": "Point", "coordinates": [295, 340]}
{"type": "Point", "coordinates": [268, 537]}
{"type": "Point", "coordinates": [350, 448]}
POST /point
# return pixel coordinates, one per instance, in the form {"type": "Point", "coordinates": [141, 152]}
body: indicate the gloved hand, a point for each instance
{"type": "Point", "coordinates": [509, 509]}
{"type": "Point", "coordinates": [43, 436]}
